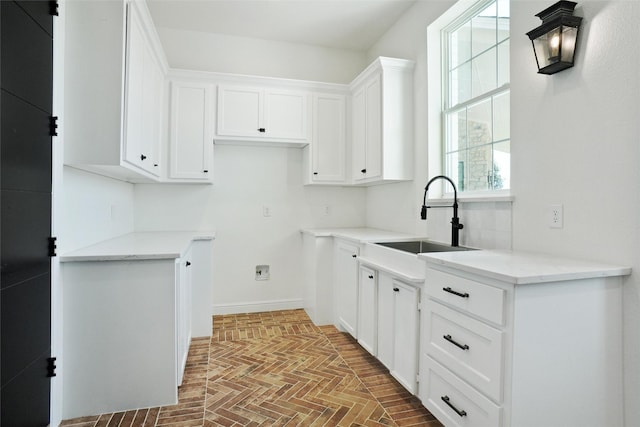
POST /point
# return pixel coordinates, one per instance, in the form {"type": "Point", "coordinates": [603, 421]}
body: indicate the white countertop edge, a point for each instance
{"type": "Point", "coordinates": [136, 246]}
{"type": "Point", "coordinates": [363, 234]}
{"type": "Point", "coordinates": [397, 273]}
{"type": "Point", "coordinates": [521, 267]}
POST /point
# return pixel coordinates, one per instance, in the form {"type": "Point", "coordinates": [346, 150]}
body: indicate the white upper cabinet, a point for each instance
{"type": "Point", "coordinates": [114, 90]}
{"type": "Point", "coordinates": [264, 116]}
{"type": "Point", "coordinates": [325, 155]}
{"type": "Point", "coordinates": [382, 122]}
{"type": "Point", "coordinates": [191, 141]}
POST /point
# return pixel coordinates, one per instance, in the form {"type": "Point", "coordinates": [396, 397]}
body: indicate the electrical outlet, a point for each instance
{"type": "Point", "coordinates": [262, 272]}
{"type": "Point", "coordinates": [555, 216]}
{"type": "Point", "coordinates": [266, 211]}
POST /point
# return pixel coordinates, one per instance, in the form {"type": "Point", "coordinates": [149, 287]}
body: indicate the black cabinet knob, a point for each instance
{"type": "Point", "coordinates": [142, 157]}
{"type": "Point", "coordinates": [205, 171]}
{"type": "Point", "coordinates": [188, 264]}
{"type": "Point", "coordinates": [315, 173]}
{"type": "Point", "coordinates": [261, 130]}
{"type": "Point", "coordinates": [396, 290]}
{"type": "Point", "coordinates": [155, 165]}
{"type": "Point", "coordinates": [363, 170]}
{"type": "Point", "coordinates": [354, 255]}
{"type": "Point", "coordinates": [370, 277]}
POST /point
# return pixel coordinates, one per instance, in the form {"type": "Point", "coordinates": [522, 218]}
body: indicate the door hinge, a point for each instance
{"type": "Point", "coordinates": [53, 126]}
{"type": "Point", "coordinates": [53, 8]}
{"type": "Point", "coordinates": [51, 367]}
{"type": "Point", "coordinates": [52, 246]}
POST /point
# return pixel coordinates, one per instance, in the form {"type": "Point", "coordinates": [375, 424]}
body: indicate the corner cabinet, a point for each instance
{"type": "Point", "coordinates": [382, 122]}
{"type": "Point", "coordinates": [191, 139]}
{"type": "Point", "coordinates": [114, 90]}
{"type": "Point", "coordinates": [262, 116]}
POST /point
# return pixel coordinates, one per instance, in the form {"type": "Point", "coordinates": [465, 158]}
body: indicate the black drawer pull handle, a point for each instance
{"type": "Point", "coordinates": [205, 171]}
{"type": "Point", "coordinates": [445, 399]}
{"type": "Point", "coordinates": [370, 277]}
{"type": "Point", "coordinates": [187, 263]}
{"type": "Point", "coordinates": [457, 344]}
{"type": "Point", "coordinates": [396, 290]}
{"type": "Point", "coordinates": [354, 255]}
{"type": "Point", "coordinates": [142, 157]}
{"type": "Point", "coordinates": [363, 170]}
{"type": "Point", "coordinates": [261, 130]}
{"type": "Point", "coordinates": [315, 173]}
{"type": "Point", "coordinates": [451, 291]}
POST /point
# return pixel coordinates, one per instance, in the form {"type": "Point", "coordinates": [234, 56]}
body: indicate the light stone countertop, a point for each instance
{"type": "Point", "coordinates": [362, 235]}
{"type": "Point", "coordinates": [139, 246]}
{"type": "Point", "coordinates": [522, 268]}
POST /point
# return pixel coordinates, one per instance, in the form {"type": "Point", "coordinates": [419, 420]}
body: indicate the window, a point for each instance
{"type": "Point", "coordinates": [476, 134]}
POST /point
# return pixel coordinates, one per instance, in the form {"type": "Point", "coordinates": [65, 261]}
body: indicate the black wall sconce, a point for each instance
{"type": "Point", "coordinates": [554, 41]}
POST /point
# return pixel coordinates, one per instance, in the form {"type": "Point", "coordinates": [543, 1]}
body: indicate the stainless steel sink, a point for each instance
{"type": "Point", "coordinates": [422, 246]}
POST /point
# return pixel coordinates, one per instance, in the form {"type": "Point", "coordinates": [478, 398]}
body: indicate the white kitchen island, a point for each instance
{"type": "Point", "coordinates": [130, 306]}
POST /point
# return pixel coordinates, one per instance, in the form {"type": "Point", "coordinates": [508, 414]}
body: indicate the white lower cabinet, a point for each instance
{"type": "Point", "coordinates": [405, 335]}
{"type": "Point", "coordinates": [367, 309]}
{"type": "Point", "coordinates": [346, 285]}
{"type": "Point", "coordinates": [386, 319]}
{"type": "Point", "coordinates": [499, 354]}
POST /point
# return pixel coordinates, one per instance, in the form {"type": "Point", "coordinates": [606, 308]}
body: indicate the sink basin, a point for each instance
{"type": "Point", "coordinates": [422, 246]}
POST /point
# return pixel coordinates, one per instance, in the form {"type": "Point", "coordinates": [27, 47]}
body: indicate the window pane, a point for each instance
{"type": "Point", "coordinates": [484, 73]}
{"type": "Point", "coordinates": [483, 30]}
{"type": "Point", "coordinates": [479, 165]}
{"type": "Point", "coordinates": [503, 19]}
{"type": "Point", "coordinates": [501, 126]}
{"type": "Point", "coordinates": [501, 177]}
{"type": "Point", "coordinates": [455, 168]}
{"type": "Point", "coordinates": [479, 123]}
{"type": "Point", "coordinates": [503, 63]}
{"type": "Point", "coordinates": [456, 130]}
{"type": "Point", "coordinates": [460, 45]}
{"type": "Point", "coordinates": [460, 81]}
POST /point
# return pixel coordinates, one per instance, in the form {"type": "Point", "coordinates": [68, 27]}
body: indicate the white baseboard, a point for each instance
{"type": "Point", "coordinates": [259, 306]}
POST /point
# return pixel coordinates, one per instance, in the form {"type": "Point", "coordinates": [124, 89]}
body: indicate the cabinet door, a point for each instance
{"type": "Point", "coordinates": [240, 111]}
{"type": "Point", "coordinates": [346, 286]}
{"type": "Point", "coordinates": [373, 124]}
{"type": "Point", "coordinates": [386, 302]}
{"type": "Point", "coordinates": [285, 115]}
{"type": "Point", "coordinates": [328, 141]}
{"type": "Point", "coordinates": [405, 356]}
{"type": "Point", "coordinates": [191, 141]}
{"type": "Point", "coordinates": [358, 135]}
{"type": "Point", "coordinates": [367, 310]}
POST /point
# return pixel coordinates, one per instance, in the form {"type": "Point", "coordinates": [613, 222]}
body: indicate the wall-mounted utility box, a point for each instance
{"type": "Point", "coordinates": [262, 272]}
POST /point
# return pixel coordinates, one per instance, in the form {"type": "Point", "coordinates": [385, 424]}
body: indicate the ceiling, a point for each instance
{"type": "Point", "coordinates": [342, 24]}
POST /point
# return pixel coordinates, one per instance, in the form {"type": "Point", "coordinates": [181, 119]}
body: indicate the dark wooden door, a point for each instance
{"type": "Point", "coordinates": [26, 84]}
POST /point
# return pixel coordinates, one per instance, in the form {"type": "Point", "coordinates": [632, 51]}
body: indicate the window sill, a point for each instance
{"type": "Point", "coordinates": [474, 198]}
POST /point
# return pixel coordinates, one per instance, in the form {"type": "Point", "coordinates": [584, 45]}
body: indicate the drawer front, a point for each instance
{"type": "Point", "coordinates": [453, 402]}
{"type": "Point", "coordinates": [469, 348]}
{"type": "Point", "coordinates": [481, 300]}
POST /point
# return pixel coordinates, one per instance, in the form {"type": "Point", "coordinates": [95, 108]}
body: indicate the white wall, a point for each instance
{"type": "Point", "coordinates": [93, 208]}
{"type": "Point", "coordinates": [220, 53]}
{"type": "Point", "coordinates": [246, 180]}
{"type": "Point", "coordinates": [576, 142]}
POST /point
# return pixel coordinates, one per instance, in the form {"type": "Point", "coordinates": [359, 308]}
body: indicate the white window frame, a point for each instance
{"type": "Point", "coordinates": [438, 75]}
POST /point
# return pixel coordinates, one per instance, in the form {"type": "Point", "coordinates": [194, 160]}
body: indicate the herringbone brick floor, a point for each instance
{"type": "Point", "coordinates": [278, 369]}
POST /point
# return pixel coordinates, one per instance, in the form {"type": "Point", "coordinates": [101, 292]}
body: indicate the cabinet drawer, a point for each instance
{"type": "Point", "coordinates": [469, 348]}
{"type": "Point", "coordinates": [476, 298]}
{"type": "Point", "coordinates": [452, 401]}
